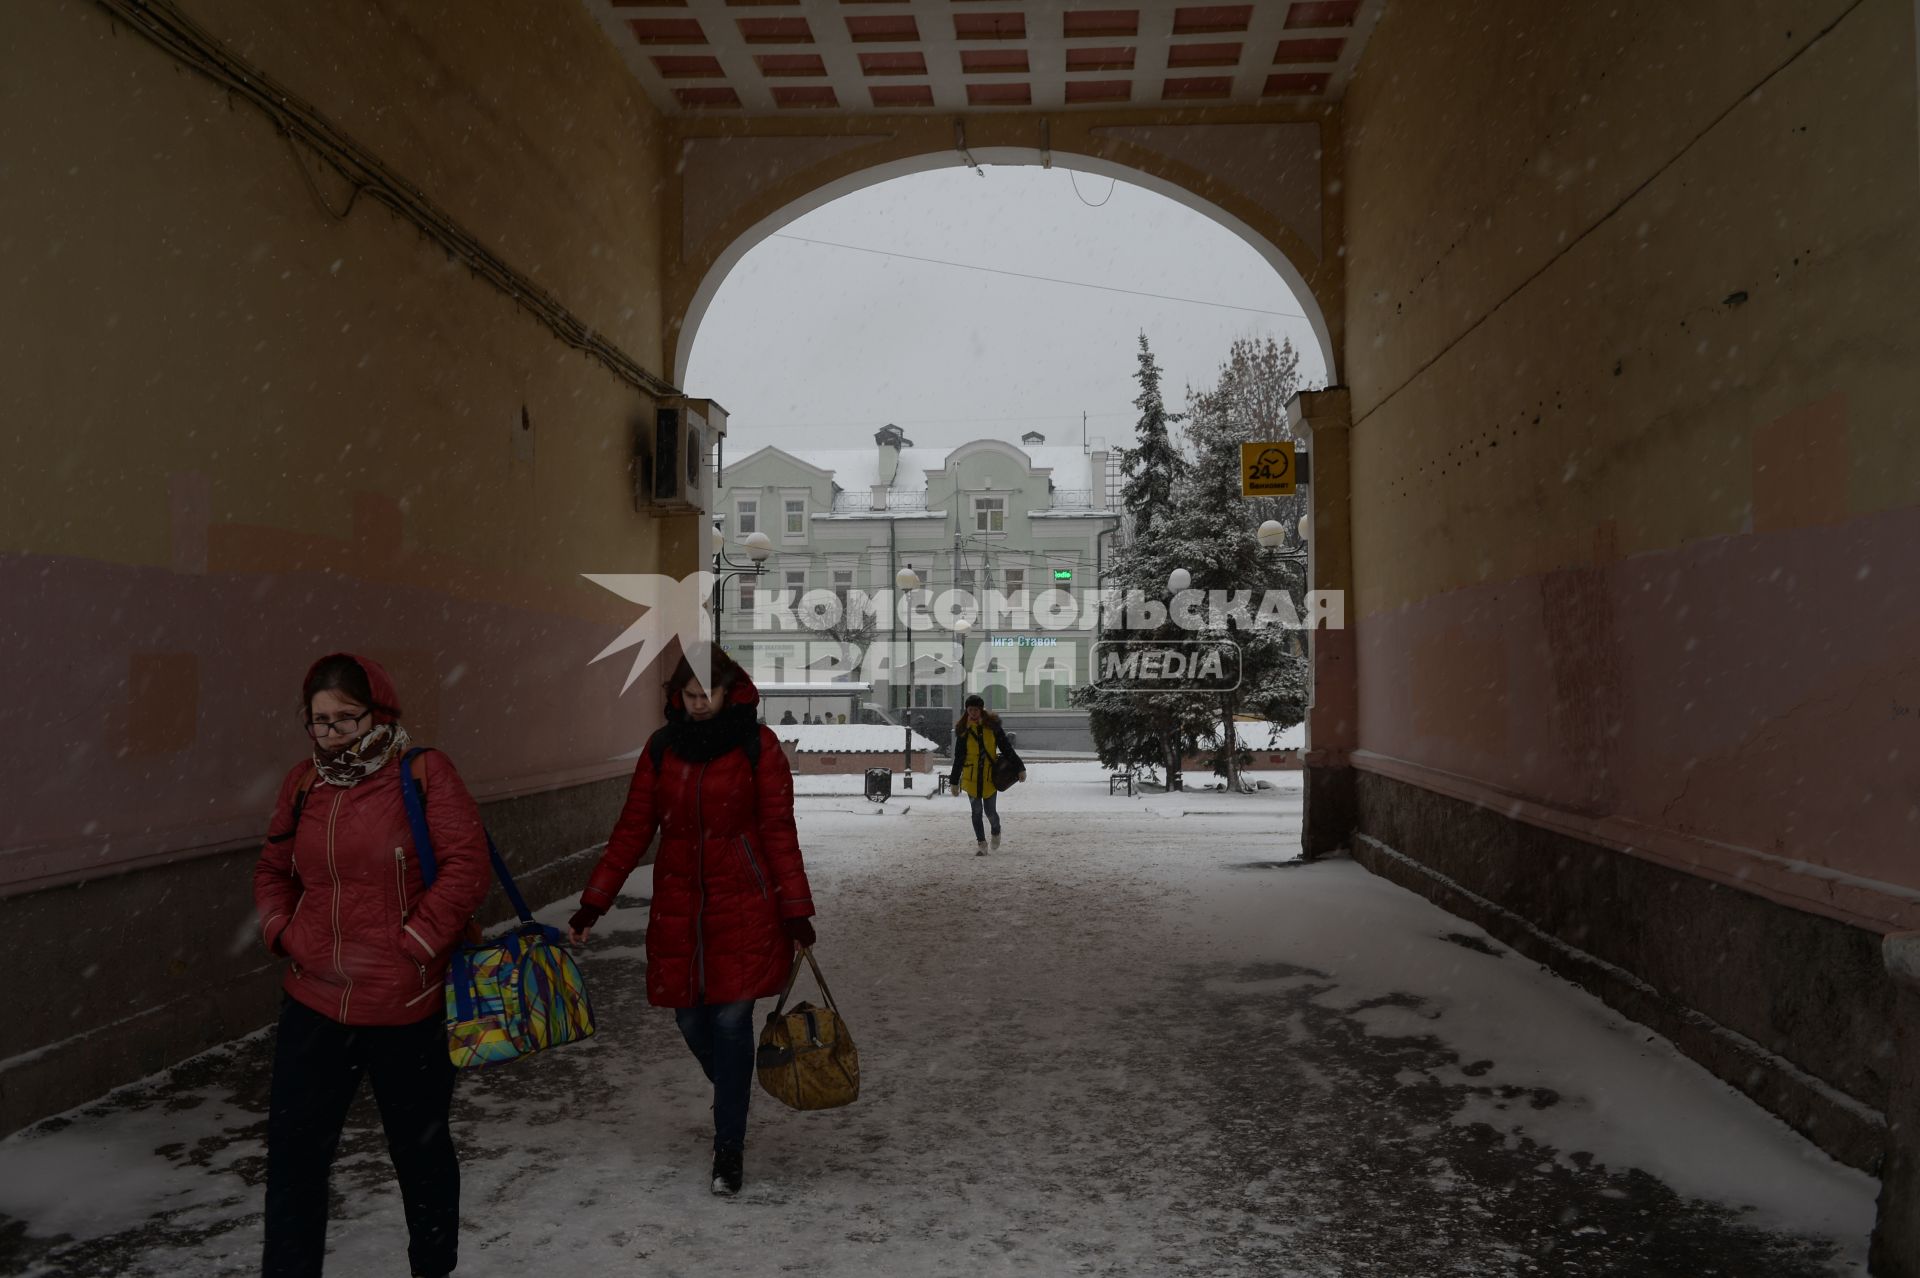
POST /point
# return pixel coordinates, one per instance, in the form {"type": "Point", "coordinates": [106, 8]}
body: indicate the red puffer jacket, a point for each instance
{"type": "Point", "coordinates": [729, 867]}
{"type": "Point", "coordinates": [344, 898]}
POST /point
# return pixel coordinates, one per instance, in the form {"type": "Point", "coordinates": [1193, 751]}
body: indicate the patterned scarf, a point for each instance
{"type": "Point", "coordinates": [374, 749]}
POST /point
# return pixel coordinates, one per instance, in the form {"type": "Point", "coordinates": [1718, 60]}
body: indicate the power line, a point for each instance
{"type": "Point", "coordinates": [927, 421]}
{"type": "Point", "coordinates": [1045, 279]}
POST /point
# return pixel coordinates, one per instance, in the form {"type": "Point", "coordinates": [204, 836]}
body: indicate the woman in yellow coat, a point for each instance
{"type": "Point", "coordinates": [978, 742]}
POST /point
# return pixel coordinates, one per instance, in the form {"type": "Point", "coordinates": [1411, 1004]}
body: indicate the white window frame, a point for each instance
{"type": "Point", "coordinates": [984, 508]}
{"type": "Point", "coordinates": [746, 515]}
{"type": "Point", "coordinates": [787, 584]}
{"type": "Point", "coordinates": [787, 498]}
{"type": "Point", "coordinates": [1014, 580]}
{"type": "Point", "coordinates": [748, 587]}
{"type": "Point", "coordinates": [841, 589]}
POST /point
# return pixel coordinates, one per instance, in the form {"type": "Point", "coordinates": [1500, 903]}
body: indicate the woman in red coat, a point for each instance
{"type": "Point", "coordinates": [730, 896]}
{"type": "Point", "coordinates": [340, 896]}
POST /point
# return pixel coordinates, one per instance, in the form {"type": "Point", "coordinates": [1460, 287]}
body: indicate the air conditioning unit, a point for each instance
{"type": "Point", "coordinates": [683, 434]}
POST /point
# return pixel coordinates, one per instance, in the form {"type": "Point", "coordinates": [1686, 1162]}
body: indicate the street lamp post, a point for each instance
{"type": "Point", "coordinates": [758, 546]}
{"type": "Point", "coordinates": [908, 581]}
{"type": "Point", "coordinates": [960, 627]}
{"type": "Point", "coordinates": [1178, 581]}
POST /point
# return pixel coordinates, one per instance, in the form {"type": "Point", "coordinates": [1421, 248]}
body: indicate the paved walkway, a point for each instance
{"type": "Point", "coordinates": [1132, 1042]}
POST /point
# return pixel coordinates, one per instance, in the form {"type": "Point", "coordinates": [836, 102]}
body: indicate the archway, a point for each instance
{"type": "Point", "coordinates": [1282, 251]}
{"type": "Point", "coordinates": [1197, 221]}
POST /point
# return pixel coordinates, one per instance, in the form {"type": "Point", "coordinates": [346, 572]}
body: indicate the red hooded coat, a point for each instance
{"type": "Point", "coordinates": [728, 870]}
{"type": "Point", "coordinates": [344, 899]}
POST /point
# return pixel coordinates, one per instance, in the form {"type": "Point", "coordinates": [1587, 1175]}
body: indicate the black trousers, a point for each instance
{"type": "Point", "coordinates": [317, 1067]}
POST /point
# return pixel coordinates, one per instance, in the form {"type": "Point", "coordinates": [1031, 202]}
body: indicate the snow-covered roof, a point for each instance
{"type": "Point", "coordinates": [847, 738]}
{"type": "Point", "coordinates": [858, 469]}
{"type": "Point", "coordinates": [1260, 734]}
{"type": "Point", "coordinates": [1071, 467]}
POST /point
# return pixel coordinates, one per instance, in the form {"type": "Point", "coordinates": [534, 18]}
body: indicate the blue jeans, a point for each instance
{"type": "Point", "coordinates": [993, 814]}
{"type": "Point", "coordinates": [721, 1036]}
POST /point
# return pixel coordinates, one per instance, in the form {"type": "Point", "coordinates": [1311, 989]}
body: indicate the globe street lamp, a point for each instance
{"type": "Point", "coordinates": [1272, 535]}
{"type": "Point", "coordinates": [908, 581]}
{"type": "Point", "coordinates": [758, 546]}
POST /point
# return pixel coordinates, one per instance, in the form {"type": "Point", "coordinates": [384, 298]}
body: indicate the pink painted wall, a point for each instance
{"type": "Point", "coordinates": [152, 712]}
{"type": "Point", "coordinates": [1747, 706]}
{"type": "Point", "coordinates": [1635, 485]}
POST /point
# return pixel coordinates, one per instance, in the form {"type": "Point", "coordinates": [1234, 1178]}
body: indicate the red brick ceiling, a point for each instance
{"type": "Point", "coordinates": [747, 56]}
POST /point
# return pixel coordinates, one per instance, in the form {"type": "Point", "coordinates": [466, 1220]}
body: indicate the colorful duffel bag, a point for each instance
{"type": "Point", "coordinates": [514, 995]}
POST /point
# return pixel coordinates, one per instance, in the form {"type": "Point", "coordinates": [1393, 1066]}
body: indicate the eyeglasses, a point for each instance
{"type": "Point", "coordinates": [317, 728]}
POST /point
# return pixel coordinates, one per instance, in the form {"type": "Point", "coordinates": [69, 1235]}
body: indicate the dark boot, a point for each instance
{"type": "Point", "coordinates": [729, 1170]}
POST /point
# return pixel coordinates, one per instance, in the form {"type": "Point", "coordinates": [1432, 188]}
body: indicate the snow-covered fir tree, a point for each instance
{"type": "Point", "coordinates": [1191, 515]}
{"type": "Point", "coordinates": [1153, 464]}
{"type": "Point", "coordinates": [1210, 530]}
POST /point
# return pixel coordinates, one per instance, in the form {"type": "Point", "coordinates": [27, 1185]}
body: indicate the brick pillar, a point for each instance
{"type": "Point", "coordinates": [1325, 419]}
{"type": "Point", "coordinates": [1896, 1234]}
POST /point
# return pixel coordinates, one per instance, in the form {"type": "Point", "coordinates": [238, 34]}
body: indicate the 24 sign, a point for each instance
{"type": "Point", "coordinates": [1268, 470]}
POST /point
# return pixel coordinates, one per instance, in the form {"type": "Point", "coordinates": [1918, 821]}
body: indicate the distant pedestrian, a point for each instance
{"type": "Point", "coordinates": [730, 896]}
{"type": "Point", "coordinates": [364, 977]}
{"type": "Point", "coordinates": [978, 742]}
{"type": "Point", "coordinates": [787, 717]}
{"type": "Point", "coordinates": [843, 718]}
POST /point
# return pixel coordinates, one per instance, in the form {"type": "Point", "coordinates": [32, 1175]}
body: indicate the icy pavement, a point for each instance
{"type": "Point", "coordinates": [1128, 1043]}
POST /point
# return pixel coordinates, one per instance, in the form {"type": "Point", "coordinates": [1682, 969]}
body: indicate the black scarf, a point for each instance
{"type": "Point", "coordinates": [703, 740]}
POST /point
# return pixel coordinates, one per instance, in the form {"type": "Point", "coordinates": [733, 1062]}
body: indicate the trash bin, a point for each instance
{"type": "Point", "coordinates": [879, 784]}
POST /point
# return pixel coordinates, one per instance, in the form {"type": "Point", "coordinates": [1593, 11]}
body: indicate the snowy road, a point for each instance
{"type": "Point", "coordinates": [1126, 1044]}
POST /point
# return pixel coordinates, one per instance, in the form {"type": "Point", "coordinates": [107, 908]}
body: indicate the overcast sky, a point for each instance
{"type": "Point", "coordinates": [812, 346]}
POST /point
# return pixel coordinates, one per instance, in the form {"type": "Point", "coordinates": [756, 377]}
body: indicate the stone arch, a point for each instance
{"type": "Point", "coordinates": [833, 166]}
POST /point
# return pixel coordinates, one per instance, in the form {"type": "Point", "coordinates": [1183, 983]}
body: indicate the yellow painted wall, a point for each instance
{"type": "Point", "coordinates": [1635, 488]}
{"type": "Point", "coordinates": [242, 431]}
{"type": "Point", "coordinates": [1547, 209]}
{"type": "Point", "coordinates": [184, 305]}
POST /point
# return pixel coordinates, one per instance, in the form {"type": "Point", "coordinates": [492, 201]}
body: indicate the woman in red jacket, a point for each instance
{"type": "Point", "coordinates": [730, 896]}
{"type": "Point", "coordinates": [340, 895]}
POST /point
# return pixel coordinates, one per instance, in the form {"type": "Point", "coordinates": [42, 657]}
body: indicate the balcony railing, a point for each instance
{"type": "Point", "coordinates": [851, 503]}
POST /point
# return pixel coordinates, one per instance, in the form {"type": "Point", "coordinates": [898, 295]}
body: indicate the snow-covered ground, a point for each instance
{"type": "Point", "coordinates": [1134, 1041]}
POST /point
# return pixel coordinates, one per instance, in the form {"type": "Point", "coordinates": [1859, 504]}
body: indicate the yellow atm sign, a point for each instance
{"type": "Point", "coordinates": [1267, 470]}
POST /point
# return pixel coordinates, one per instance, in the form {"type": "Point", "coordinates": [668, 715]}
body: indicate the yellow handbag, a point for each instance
{"type": "Point", "coordinates": [807, 1059]}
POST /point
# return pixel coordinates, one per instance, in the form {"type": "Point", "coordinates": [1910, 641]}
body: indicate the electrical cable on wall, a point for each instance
{"type": "Point", "coordinates": [176, 34]}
